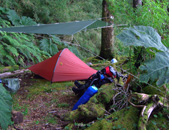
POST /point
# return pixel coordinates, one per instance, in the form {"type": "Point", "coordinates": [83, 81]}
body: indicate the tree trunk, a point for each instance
{"type": "Point", "coordinates": [138, 51]}
{"type": "Point", "coordinates": [137, 3]}
{"type": "Point", "coordinates": [107, 41]}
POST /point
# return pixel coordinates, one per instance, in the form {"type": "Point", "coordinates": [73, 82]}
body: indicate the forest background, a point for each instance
{"type": "Point", "coordinates": [28, 12]}
{"type": "Point", "coordinates": [22, 50]}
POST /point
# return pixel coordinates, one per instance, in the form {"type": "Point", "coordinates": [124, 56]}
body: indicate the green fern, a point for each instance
{"type": "Point", "coordinates": [17, 20]}
{"type": "Point", "coordinates": [4, 22]}
{"type": "Point", "coordinates": [17, 48]}
{"type": "Point", "coordinates": [26, 21]}
{"type": "Point", "coordinates": [49, 46]}
{"type": "Point", "coordinates": [5, 108]}
{"type": "Point", "coordinates": [10, 49]}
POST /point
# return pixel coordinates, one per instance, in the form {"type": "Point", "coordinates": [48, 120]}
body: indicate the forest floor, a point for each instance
{"type": "Point", "coordinates": [42, 102]}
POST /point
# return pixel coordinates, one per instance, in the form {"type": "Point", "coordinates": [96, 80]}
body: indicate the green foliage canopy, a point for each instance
{"type": "Point", "coordinates": [151, 13]}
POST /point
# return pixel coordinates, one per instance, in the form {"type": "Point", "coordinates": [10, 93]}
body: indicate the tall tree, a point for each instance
{"type": "Point", "coordinates": [107, 41]}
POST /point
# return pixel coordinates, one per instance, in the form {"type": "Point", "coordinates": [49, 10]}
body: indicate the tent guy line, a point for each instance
{"type": "Point", "coordinates": [87, 49]}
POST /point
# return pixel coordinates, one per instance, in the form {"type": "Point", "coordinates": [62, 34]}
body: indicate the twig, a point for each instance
{"type": "Point", "coordinates": [16, 127]}
{"type": "Point", "coordinates": [106, 111]}
{"type": "Point", "coordinates": [137, 106]}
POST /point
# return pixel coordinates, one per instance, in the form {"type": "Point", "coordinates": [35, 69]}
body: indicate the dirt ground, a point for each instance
{"type": "Point", "coordinates": [42, 103]}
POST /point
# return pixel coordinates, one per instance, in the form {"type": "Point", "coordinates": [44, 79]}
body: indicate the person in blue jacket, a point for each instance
{"type": "Point", "coordinates": [106, 75]}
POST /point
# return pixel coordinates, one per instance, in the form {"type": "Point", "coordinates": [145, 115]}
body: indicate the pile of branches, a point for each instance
{"type": "Point", "coordinates": [148, 103]}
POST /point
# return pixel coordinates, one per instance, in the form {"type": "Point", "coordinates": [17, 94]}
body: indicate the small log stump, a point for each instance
{"type": "Point", "coordinates": [17, 117]}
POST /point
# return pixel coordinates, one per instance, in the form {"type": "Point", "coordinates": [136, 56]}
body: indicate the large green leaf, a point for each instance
{"type": "Point", "coordinates": [13, 17]}
{"type": "Point", "coordinates": [48, 46]}
{"type": "Point", "coordinates": [27, 21]}
{"type": "Point", "coordinates": [142, 36]}
{"type": "Point", "coordinates": [5, 107]}
{"type": "Point", "coordinates": [156, 69]}
{"type": "Point", "coordinates": [17, 20]}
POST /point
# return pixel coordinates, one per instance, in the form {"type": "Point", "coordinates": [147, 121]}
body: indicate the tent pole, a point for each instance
{"type": "Point", "coordinates": [56, 65]}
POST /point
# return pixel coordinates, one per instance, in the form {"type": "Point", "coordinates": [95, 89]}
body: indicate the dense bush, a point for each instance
{"type": "Point", "coordinates": [45, 11]}
{"type": "Point", "coordinates": [151, 13]}
{"type": "Point", "coordinates": [17, 48]}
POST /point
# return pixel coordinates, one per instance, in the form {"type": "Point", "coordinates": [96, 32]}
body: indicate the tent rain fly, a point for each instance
{"type": "Point", "coordinates": [68, 28]}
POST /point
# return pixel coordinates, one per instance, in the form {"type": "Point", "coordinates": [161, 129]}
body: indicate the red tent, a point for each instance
{"type": "Point", "coordinates": [64, 66]}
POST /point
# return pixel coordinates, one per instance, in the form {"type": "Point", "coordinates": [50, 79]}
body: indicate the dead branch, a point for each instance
{"type": "Point", "coordinates": [99, 64]}
{"type": "Point", "coordinates": [130, 77]}
{"type": "Point", "coordinates": [137, 106]}
{"type": "Point", "coordinates": [14, 73]}
{"type": "Point", "coordinates": [150, 103]}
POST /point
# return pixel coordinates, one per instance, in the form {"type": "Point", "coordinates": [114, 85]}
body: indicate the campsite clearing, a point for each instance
{"type": "Point", "coordinates": [42, 103]}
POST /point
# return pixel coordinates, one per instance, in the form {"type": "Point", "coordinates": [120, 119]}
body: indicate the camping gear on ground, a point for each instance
{"type": "Point", "coordinates": [95, 81]}
{"type": "Point", "coordinates": [86, 96]}
{"type": "Point", "coordinates": [64, 66]}
{"type": "Point", "coordinates": [11, 84]}
{"type": "Point", "coordinates": [114, 61]}
{"type": "Point", "coordinates": [110, 71]}
{"type": "Point", "coordinates": [101, 77]}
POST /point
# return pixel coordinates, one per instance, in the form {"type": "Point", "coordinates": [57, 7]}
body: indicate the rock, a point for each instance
{"type": "Point", "coordinates": [17, 117]}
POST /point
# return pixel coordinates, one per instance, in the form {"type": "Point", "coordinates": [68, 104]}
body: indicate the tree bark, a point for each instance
{"type": "Point", "coordinates": [107, 42]}
{"type": "Point", "coordinates": [137, 3]}
{"type": "Point", "coordinates": [138, 51]}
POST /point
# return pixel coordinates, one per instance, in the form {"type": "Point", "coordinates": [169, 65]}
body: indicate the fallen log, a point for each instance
{"type": "Point", "coordinates": [150, 103]}
{"type": "Point", "coordinates": [14, 73]}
